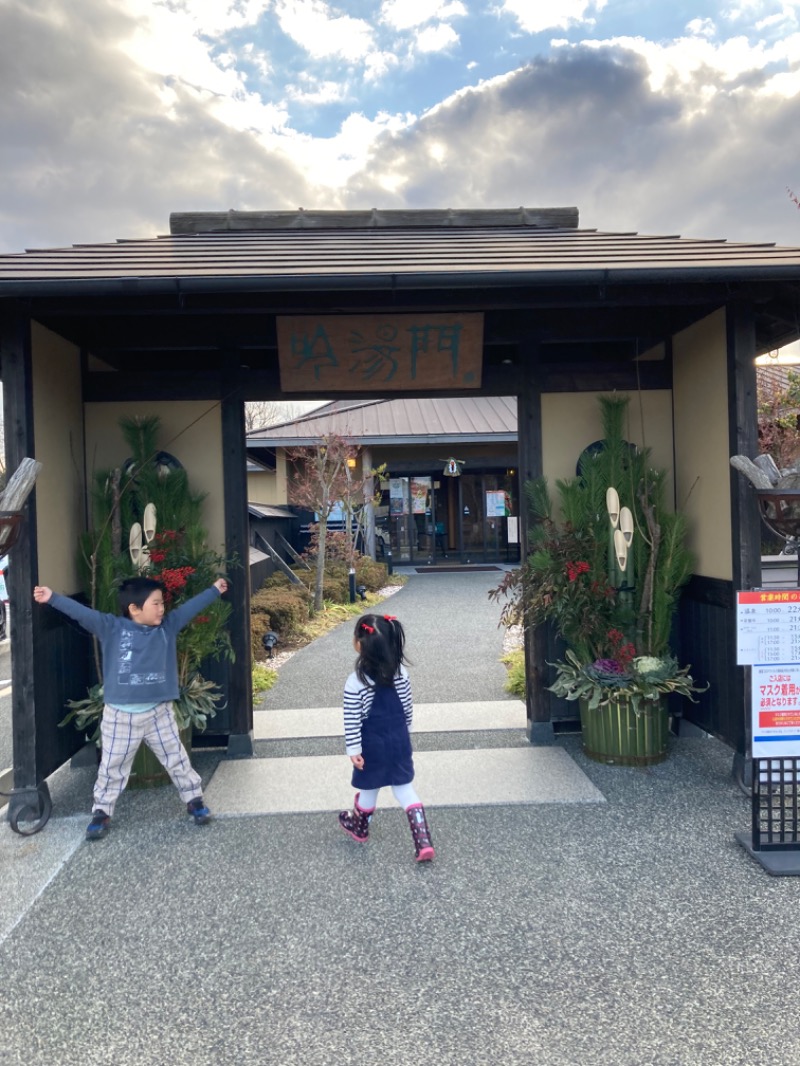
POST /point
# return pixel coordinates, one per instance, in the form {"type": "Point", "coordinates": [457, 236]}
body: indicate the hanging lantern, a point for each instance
{"type": "Point", "coordinates": [453, 467]}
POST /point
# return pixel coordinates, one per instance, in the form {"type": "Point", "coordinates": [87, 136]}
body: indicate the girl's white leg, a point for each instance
{"type": "Point", "coordinates": [405, 795]}
{"type": "Point", "coordinates": [368, 799]}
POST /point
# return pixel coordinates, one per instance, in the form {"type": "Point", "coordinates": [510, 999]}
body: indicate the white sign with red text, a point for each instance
{"type": "Point", "coordinates": [768, 626]}
{"type": "Point", "coordinates": [776, 711]}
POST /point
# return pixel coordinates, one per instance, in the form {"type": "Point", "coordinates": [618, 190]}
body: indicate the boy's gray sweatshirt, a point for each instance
{"type": "Point", "coordinates": [140, 663]}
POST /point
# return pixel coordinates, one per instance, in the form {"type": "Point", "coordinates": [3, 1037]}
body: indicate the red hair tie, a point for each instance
{"type": "Point", "coordinates": [390, 618]}
{"type": "Point", "coordinates": [366, 628]}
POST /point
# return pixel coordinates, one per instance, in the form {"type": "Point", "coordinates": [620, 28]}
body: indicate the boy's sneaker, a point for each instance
{"type": "Point", "coordinates": [198, 811]}
{"type": "Point", "coordinates": [98, 827]}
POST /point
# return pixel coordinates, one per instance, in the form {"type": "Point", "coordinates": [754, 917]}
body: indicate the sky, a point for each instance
{"type": "Point", "coordinates": [649, 116]}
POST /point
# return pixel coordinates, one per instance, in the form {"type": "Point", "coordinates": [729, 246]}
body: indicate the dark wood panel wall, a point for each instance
{"type": "Point", "coordinates": [51, 661]}
{"type": "Point", "coordinates": [707, 641]}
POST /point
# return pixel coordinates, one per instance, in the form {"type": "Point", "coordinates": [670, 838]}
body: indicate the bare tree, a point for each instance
{"type": "Point", "coordinates": [258, 414]}
{"type": "Point", "coordinates": [319, 484]}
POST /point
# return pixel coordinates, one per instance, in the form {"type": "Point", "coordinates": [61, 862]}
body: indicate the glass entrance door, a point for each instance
{"type": "Point", "coordinates": [472, 518]}
{"type": "Point", "coordinates": [411, 519]}
{"type": "Point", "coordinates": [485, 504]}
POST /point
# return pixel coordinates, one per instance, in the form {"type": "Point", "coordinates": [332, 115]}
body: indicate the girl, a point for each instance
{"type": "Point", "coordinates": [377, 719]}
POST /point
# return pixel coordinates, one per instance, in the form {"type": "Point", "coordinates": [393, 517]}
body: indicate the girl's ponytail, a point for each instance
{"type": "Point", "coordinates": [382, 648]}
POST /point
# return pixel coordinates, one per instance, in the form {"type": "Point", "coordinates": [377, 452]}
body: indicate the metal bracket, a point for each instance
{"type": "Point", "coordinates": [29, 809]}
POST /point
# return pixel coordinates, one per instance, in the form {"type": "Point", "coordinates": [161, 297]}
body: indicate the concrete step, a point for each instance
{"type": "Point", "coordinates": [428, 718]}
{"type": "Point", "coordinates": [464, 777]}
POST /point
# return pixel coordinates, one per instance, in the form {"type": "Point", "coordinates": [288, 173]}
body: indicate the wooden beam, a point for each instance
{"type": "Point", "coordinates": [374, 218]}
{"type": "Point", "coordinates": [237, 542]}
{"type": "Point", "coordinates": [529, 420]}
{"type": "Point", "coordinates": [15, 352]}
{"type": "Point", "coordinates": [743, 440]}
{"type": "Point", "coordinates": [265, 546]}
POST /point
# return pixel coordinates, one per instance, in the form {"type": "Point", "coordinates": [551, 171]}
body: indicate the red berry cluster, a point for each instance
{"type": "Point", "coordinates": [174, 580]}
{"type": "Point", "coordinates": [623, 651]}
{"type": "Point", "coordinates": [574, 570]}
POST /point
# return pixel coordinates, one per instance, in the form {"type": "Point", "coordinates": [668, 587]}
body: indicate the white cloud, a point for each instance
{"type": "Point", "coordinates": [534, 16]}
{"type": "Point", "coordinates": [324, 92]}
{"type": "Point", "coordinates": [330, 162]}
{"type": "Point", "coordinates": [406, 14]}
{"type": "Point", "coordinates": [688, 59]}
{"type": "Point", "coordinates": [378, 65]}
{"type": "Point", "coordinates": [586, 128]}
{"type": "Point", "coordinates": [436, 38]}
{"type": "Point", "coordinates": [692, 135]}
{"type": "Point", "coordinates": [168, 43]}
{"type": "Point", "coordinates": [702, 28]}
{"type": "Point", "coordinates": [259, 59]}
{"type": "Point", "coordinates": [213, 17]}
{"type": "Point", "coordinates": [765, 14]}
{"type": "Point", "coordinates": [310, 24]}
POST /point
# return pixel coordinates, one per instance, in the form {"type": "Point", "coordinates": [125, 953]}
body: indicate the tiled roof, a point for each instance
{"type": "Point", "coordinates": [400, 421]}
{"type": "Point", "coordinates": [422, 255]}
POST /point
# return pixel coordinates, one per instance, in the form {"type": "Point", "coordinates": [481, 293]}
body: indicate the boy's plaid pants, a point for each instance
{"type": "Point", "coordinates": [122, 733]}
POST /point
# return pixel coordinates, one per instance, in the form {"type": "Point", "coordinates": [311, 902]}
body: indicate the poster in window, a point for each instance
{"type": "Point", "coordinates": [397, 496]}
{"type": "Point", "coordinates": [495, 504]}
{"type": "Point", "coordinates": [420, 494]}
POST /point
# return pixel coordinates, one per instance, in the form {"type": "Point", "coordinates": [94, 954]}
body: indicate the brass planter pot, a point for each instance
{"type": "Point", "coordinates": [616, 735]}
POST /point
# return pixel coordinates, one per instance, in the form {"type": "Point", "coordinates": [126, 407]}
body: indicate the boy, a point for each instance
{"type": "Point", "coordinates": [140, 681]}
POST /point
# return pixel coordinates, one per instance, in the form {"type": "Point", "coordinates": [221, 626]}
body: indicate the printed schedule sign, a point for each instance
{"type": "Point", "coordinates": [776, 711]}
{"type": "Point", "coordinates": [768, 627]}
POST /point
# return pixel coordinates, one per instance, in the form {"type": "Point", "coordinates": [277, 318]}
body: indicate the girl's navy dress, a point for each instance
{"type": "Point", "coordinates": [385, 743]}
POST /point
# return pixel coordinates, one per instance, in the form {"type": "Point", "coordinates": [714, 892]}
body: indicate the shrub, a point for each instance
{"type": "Point", "coordinates": [337, 588]}
{"type": "Point", "coordinates": [515, 682]}
{"type": "Point", "coordinates": [371, 573]}
{"type": "Point", "coordinates": [279, 580]}
{"type": "Point", "coordinates": [260, 625]}
{"type": "Point", "coordinates": [286, 609]}
{"type": "Point", "coordinates": [263, 679]}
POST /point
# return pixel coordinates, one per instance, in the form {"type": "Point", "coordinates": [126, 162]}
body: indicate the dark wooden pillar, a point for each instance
{"type": "Point", "coordinates": [529, 419]}
{"type": "Point", "coordinates": [743, 440]}
{"type": "Point", "coordinates": [237, 542]}
{"type": "Point", "coordinates": [30, 788]}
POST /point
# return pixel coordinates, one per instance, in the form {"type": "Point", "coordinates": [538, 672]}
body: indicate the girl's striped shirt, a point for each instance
{"type": "Point", "coordinates": [358, 701]}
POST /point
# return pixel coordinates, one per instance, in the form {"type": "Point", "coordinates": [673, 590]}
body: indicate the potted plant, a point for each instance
{"type": "Point", "coordinates": [607, 574]}
{"type": "Point", "coordinates": [148, 521]}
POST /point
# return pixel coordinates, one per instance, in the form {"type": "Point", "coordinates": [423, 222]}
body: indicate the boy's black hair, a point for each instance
{"type": "Point", "coordinates": [382, 640]}
{"type": "Point", "coordinates": [134, 591]}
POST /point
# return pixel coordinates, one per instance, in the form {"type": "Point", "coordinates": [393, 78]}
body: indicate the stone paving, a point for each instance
{"type": "Point", "coordinates": [628, 931]}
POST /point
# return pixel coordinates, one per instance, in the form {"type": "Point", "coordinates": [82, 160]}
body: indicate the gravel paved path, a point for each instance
{"type": "Point", "coordinates": [453, 640]}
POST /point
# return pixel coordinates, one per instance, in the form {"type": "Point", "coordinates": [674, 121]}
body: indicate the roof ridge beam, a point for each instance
{"type": "Point", "coordinates": [187, 222]}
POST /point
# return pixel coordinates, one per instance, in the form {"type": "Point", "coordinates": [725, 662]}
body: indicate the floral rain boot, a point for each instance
{"type": "Point", "coordinates": [356, 822]}
{"type": "Point", "coordinates": [423, 844]}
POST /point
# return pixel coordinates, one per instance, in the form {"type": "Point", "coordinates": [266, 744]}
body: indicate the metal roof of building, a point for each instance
{"type": "Point", "coordinates": [469, 419]}
{"type": "Point", "coordinates": [420, 249]}
{"type": "Point", "coordinates": [270, 510]}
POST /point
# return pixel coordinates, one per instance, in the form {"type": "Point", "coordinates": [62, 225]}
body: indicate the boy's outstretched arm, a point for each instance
{"type": "Point", "coordinates": [42, 594]}
{"type": "Point", "coordinates": [182, 616]}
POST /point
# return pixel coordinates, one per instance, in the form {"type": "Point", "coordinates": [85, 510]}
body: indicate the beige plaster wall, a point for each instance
{"type": "Point", "coordinates": [59, 443]}
{"type": "Point", "coordinates": [190, 430]}
{"type": "Point", "coordinates": [702, 461]}
{"type": "Point", "coordinates": [571, 421]}
{"type": "Point", "coordinates": [269, 486]}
